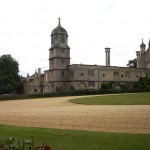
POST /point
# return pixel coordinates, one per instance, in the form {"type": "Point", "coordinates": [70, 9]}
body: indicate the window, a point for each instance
{"type": "Point", "coordinates": [62, 72]}
{"type": "Point", "coordinates": [127, 74]}
{"type": "Point", "coordinates": [62, 60]}
{"type": "Point", "coordinates": [91, 73]}
{"type": "Point", "coordinates": [62, 40]}
{"type": "Point", "coordinates": [52, 41]}
{"type": "Point", "coordinates": [137, 76]}
{"type": "Point", "coordinates": [122, 76]}
{"type": "Point", "coordinates": [62, 51]}
{"type": "Point", "coordinates": [52, 51]}
{"type": "Point", "coordinates": [116, 74]}
{"type": "Point", "coordinates": [103, 75]}
{"type": "Point", "coordinates": [71, 72]}
{"type": "Point", "coordinates": [82, 74]}
{"type": "Point", "coordinates": [91, 83]}
{"type": "Point", "coordinates": [148, 75]}
{"type": "Point", "coordinates": [116, 84]}
{"type": "Point", "coordinates": [52, 62]}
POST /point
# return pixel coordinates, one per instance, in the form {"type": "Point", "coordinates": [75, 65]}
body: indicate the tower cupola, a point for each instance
{"type": "Point", "coordinates": [59, 30]}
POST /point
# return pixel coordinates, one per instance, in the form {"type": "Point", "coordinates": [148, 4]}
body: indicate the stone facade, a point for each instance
{"type": "Point", "coordinates": [35, 83]}
{"type": "Point", "coordinates": [62, 76]}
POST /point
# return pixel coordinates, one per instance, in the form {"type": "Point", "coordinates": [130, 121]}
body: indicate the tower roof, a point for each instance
{"type": "Point", "coordinates": [142, 44]}
{"type": "Point", "coordinates": [59, 29]}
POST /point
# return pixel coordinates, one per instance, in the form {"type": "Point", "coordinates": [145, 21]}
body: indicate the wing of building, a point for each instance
{"type": "Point", "coordinates": [62, 76]}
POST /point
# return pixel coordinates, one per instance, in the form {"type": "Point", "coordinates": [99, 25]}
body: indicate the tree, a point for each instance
{"type": "Point", "coordinates": [144, 82]}
{"type": "Point", "coordinates": [9, 78]}
{"type": "Point", "coordinates": [132, 63]}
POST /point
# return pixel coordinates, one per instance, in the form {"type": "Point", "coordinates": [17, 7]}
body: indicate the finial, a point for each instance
{"type": "Point", "coordinates": [142, 44]}
{"type": "Point", "coordinates": [58, 21]}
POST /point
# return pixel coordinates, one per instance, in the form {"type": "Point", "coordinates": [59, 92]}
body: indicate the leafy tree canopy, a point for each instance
{"type": "Point", "coordinates": [144, 82]}
{"type": "Point", "coordinates": [9, 78]}
{"type": "Point", "coordinates": [132, 63]}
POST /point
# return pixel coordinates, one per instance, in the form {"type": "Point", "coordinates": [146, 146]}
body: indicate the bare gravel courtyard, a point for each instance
{"type": "Point", "coordinates": [59, 113]}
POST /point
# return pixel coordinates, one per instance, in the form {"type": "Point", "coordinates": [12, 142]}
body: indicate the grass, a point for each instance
{"type": "Point", "coordinates": [122, 99]}
{"type": "Point", "coordinates": [79, 140]}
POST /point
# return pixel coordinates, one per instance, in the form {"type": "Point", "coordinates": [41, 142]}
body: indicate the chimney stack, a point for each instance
{"type": "Point", "coordinates": [39, 71]}
{"type": "Point", "coordinates": [107, 50]}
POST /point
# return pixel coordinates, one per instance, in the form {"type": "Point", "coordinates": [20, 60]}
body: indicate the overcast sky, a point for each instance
{"type": "Point", "coordinates": [92, 25]}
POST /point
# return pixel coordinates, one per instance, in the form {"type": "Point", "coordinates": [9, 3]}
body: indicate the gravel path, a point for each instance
{"type": "Point", "coordinates": [59, 113]}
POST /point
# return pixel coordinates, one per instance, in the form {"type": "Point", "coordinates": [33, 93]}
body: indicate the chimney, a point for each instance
{"type": "Point", "coordinates": [107, 50]}
{"type": "Point", "coordinates": [39, 71]}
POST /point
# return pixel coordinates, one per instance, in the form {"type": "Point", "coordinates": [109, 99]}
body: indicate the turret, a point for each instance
{"type": "Point", "coordinates": [142, 47]}
{"type": "Point", "coordinates": [59, 53]}
{"type": "Point", "coordinates": [138, 59]}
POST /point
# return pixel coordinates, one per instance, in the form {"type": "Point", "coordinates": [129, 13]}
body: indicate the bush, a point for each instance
{"type": "Point", "coordinates": [17, 144]}
{"type": "Point", "coordinates": [74, 93]}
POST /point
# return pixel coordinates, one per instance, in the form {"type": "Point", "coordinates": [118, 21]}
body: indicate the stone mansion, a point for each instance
{"type": "Point", "coordinates": [63, 76]}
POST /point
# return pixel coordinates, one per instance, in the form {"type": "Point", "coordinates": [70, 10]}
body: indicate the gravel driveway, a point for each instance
{"type": "Point", "coordinates": [59, 113]}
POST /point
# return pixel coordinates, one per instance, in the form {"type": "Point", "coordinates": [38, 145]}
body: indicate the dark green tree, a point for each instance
{"type": "Point", "coordinates": [144, 82]}
{"type": "Point", "coordinates": [106, 86]}
{"type": "Point", "coordinates": [132, 63]}
{"type": "Point", "coordinates": [9, 78]}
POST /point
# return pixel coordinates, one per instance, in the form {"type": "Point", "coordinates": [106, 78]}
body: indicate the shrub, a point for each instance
{"type": "Point", "coordinates": [18, 144]}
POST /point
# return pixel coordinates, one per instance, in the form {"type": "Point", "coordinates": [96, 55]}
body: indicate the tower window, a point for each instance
{"type": "Point", "coordinates": [52, 61]}
{"type": "Point", "coordinates": [62, 73]}
{"type": "Point", "coordinates": [62, 40]}
{"type": "Point", "coordinates": [52, 41]}
{"type": "Point", "coordinates": [62, 51]}
{"type": "Point", "coordinates": [62, 60]}
{"type": "Point", "coordinates": [71, 72]}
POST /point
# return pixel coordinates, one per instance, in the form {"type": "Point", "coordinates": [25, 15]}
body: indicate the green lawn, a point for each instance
{"type": "Point", "coordinates": [79, 140]}
{"type": "Point", "coordinates": [121, 99]}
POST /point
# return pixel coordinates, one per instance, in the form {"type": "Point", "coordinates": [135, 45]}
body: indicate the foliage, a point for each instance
{"type": "Point", "coordinates": [144, 82]}
{"type": "Point", "coordinates": [73, 93]}
{"type": "Point", "coordinates": [106, 86]}
{"type": "Point", "coordinates": [18, 144]}
{"type": "Point", "coordinates": [10, 81]}
{"type": "Point", "coordinates": [132, 63]}
{"type": "Point", "coordinates": [9, 78]}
